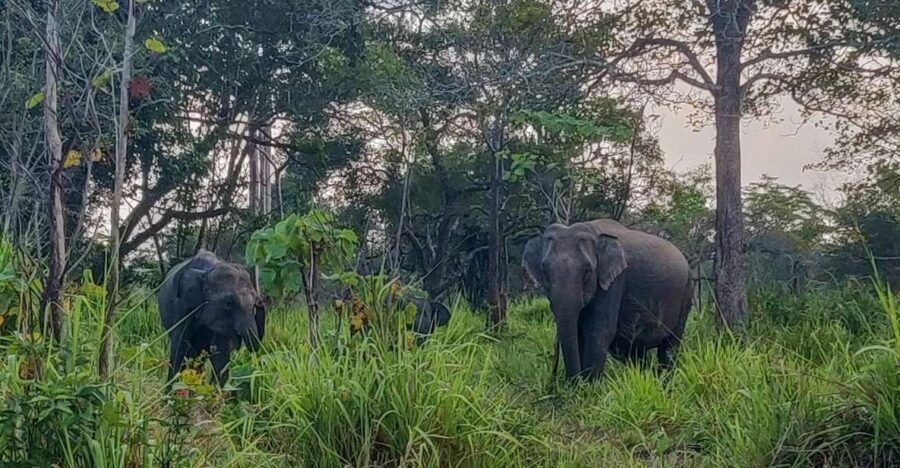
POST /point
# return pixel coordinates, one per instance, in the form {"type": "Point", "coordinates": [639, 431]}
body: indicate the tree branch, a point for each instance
{"type": "Point", "coordinates": [131, 244]}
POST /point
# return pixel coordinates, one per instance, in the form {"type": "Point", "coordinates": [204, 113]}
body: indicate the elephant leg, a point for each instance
{"type": "Point", "coordinates": [597, 329]}
{"type": "Point", "coordinates": [637, 355]}
{"type": "Point", "coordinates": [177, 353]}
{"type": "Point", "coordinates": [665, 352]}
{"type": "Point", "coordinates": [180, 349]}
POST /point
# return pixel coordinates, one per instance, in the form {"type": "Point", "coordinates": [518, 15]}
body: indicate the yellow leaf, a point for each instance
{"type": "Point", "coordinates": [155, 45]}
{"type": "Point", "coordinates": [96, 155]}
{"type": "Point", "coordinates": [72, 159]}
{"type": "Point", "coordinates": [109, 6]}
{"type": "Point", "coordinates": [2, 320]}
{"type": "Point", "coordinates": [33, 101]}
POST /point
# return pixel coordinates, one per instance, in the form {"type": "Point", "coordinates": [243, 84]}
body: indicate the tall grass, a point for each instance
{"type": "Point", "coordinates": [815, 382]}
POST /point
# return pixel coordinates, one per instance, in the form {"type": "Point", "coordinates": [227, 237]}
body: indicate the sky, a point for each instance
{"type": "Point", "coordinates": [779, 147]}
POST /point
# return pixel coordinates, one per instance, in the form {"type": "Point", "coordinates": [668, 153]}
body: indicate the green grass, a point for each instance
{"type": "Point", "coordinates": [816, 381]}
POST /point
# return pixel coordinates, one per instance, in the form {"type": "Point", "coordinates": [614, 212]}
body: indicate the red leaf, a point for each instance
{"type": "Point", "coordinates": [140, 87]}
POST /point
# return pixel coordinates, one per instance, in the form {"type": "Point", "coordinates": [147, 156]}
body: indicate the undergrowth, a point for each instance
{"type": "Point", "coordinates": [815, 381]}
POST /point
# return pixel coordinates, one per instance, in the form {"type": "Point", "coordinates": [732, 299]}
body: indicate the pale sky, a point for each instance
{"type": "Point", "coordinates": [779, 148]}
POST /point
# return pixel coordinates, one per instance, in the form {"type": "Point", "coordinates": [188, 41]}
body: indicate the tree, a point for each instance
{"type": "Point", "coordinates": [867, 225]}
{"type": "Point", "coordinates": [122, 129]}
{"type": "Point", "coordinates": [52, 300]}
{"type": "Point", "coordinates": [761, 50]}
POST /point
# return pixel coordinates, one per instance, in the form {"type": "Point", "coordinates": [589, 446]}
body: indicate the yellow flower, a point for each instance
{"type": "Point", "coordinates": [191, 378]}
{"type": "Point", "coordinates": [357, 322]}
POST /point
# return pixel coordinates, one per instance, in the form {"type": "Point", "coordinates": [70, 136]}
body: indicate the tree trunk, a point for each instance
{"type": "Point", "coordinates": [265, 172]}
{"type": "Point", "coordinates": [496, 297]}
{"type": "Point", "coordinates": [112, 295]}
{"type": "Point", "coordinates": [52, 300]}
{"type": "Point", "coordinates": [254, 171]}
{"type": "Point", "coordinates": [311, 288]}
{"type": "Point", "coordinates": [730, 297]}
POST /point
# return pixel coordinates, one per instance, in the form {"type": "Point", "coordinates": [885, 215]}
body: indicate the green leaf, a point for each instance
{"type": "Point", "coordinates": [155, 45]}
{"type": "Point", "coordinates": [34, 101]}
{"type": "Point", "coordinates": [100, 80]}
{"type": "Point", "coordinates": [277, 251]}
{"type": "Point", "coordinates": [292, 280]}
{"type": "Point", "coordinates": [267, 278]}
{"type": "Point", "coordinates": [109, 6]}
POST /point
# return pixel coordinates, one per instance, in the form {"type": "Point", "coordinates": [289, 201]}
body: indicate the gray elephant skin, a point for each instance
{"type": "Point", "coordinates": [207, 304]}
{"type": "Point", "coordinates": [612, 290]}
{"type": "Point", "coordinates": [429, 315]}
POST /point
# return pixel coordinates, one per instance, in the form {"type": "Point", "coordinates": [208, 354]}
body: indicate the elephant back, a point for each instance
{"type": "Point", "coordinates": [172, 307]}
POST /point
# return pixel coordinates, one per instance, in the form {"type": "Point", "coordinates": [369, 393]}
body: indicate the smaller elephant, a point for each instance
{"type": "Point", "coordinates": [429, 315]}
{"type": "Point", "coordinates": [209, 305]}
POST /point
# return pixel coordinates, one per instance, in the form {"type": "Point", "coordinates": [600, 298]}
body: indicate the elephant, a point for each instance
{"type": "Point", "coordinates": [612, 290]}
{"type": "Point", "coordinates": [207, 304]}
{"type": "Point", "coordinates": [429, 315]}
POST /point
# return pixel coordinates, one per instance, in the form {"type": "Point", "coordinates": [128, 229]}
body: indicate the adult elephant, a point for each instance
{"type": "Point", "coordinates": [207, 304]}
{"type": "Point", "coordinates": [612, 290]}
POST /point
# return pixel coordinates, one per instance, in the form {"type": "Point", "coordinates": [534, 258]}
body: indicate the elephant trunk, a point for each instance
{"type": "Point", "coordinates": [566, 310]}
{"type": "Point", "coordinates": [249, 335]}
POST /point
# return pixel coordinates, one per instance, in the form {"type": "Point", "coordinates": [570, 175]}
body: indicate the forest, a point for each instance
{"type": "Point", "coordinates": [331, 233]}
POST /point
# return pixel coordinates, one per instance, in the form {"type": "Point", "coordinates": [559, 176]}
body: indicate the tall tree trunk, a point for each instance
{"type": "Point", "coordinates": [254, 171]}
{"type": "Point", "coordinates": [730, 296]}
{"type": "Point", "coordinates": [52, 299]}
{"type": "Point", "coordinates": [311, 289]}
{"type": "Point", "coordinates": [265, 171]}
{"type": "Point", "coordinates": [496, 296]}
{"type": "Point", "coordinates": [112, 295]}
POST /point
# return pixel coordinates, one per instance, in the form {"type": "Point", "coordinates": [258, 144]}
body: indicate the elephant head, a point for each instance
{"type": "Point", "coordinates": [429, 315]}
{"type": "Point", "coordinates": [570, 265]}
{"type": "Point", "coordinates": [226, 302]}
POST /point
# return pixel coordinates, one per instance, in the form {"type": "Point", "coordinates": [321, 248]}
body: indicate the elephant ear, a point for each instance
{"type": "Point", "coordinates": [190, 288]}
{"type": "Point", "coordinates": [610, 260]}
{"type": "Point", "coordinates": [531, 261]}
{"type": "Point", "coordinates": [441, 314]}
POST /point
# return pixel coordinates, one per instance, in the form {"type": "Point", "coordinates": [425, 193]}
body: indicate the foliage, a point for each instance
{"type": "Point", "coordinates": [293, 246]}
{"type": "Point", "coordinates": [771, 207]}
{"type": "Point", "coordinates": [12, 285]}
{"type": "Point", "coordinates": [813, 384]}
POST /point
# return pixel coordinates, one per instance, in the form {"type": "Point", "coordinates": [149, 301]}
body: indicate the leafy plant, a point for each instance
{"type": "Point", "coordinates": [12, 284]}
{"type": "Point", "coordinates": [293, 255]}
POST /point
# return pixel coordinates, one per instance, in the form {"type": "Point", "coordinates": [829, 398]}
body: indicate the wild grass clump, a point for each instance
{"type": "Point", "coordinates": [814, 382]}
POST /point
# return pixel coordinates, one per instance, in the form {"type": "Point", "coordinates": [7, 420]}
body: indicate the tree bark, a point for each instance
{"type": "Point", "coordinates": [729, 24]}
{"type": "Point", "coordinates": [52, 300]}
{"type": "Point", "coordinates": [112, 295]}
{"type": "Point", "coordinates": [265, 172]}
{"type": "Point", "coordinates": [311, 289]}
{"type": "Point", "coordinates": [496, 296]}
{"type": "Point", "coordinates": [254, 172]}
